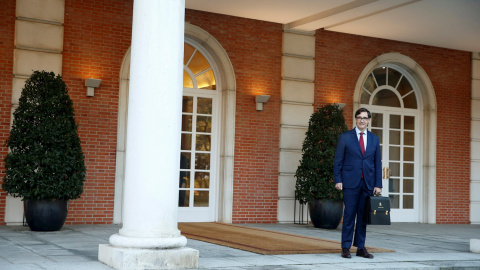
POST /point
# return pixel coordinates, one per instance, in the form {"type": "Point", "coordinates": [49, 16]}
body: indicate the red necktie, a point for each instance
{"type": "Point", "coordinates": [362, 145]}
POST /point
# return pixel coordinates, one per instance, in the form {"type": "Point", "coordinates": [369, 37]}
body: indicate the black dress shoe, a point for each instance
{"type": "Point", "coordinates": [362, 252]}
{"type": "Point", "coordinates": [346, 253]}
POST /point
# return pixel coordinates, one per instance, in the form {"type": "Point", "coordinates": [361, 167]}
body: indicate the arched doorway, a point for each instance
{"type": "Point", "coordinates": [401, 98]}
{"type": "Point", "coordinates": [221, 99]}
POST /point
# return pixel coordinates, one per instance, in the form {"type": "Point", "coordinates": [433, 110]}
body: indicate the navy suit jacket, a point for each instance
{"type": "Point", "coordinates": [349, 161]}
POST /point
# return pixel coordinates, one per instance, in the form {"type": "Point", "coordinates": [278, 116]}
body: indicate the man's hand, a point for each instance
{"type": "Point", "coordinates": [377, 190]}
{"type": "Point", "coordinates": [339, 186]}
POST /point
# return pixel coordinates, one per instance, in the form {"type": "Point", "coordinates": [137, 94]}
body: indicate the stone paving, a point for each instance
{"type": "Point", "coordinates": [417, 246]}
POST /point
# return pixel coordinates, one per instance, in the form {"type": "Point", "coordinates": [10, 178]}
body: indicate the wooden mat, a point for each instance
{"type": "Point", "coordinates": [260, 241]}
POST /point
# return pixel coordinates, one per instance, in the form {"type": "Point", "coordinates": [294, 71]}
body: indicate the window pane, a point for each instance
{"type": "Point", "coordinates": [184, 198]}
{"type": "Point", "coordinates": [380, 76]}
{"type": "Point", "coordinates": [407, 201]}
{"type": "Point", "coordinates": [206, 80]}
{"type": "Point", "coordinates": [408, 185]}
{"type": "Point", "coordinates": [394, 169]}
{"type": "Point", "coordinates": [408, 170]}
{"type": "Point", "coordinates": [187, 105]}
{"type": "Point", "coordinates": [186, 123]}
{"type": "Point", "coordinates": [394, 202]}
{"type": "Point", "coordinates": [202, 180]}
{"type": "Point", "coordinates": [184, 179]}
{"type": "Point", "coordinates": [404, 87]}
{"type": "Point", "coordinates": [369, 84]}
{"type": "Point", "coordinates": [186, 142]}
{"type": "Point", "coordinates": [408, 154]}
{"type": "Point", "coordinates": [187, 80]}
{"type": "Point", "coordinates": [200, 199]}
{"type": "Point", "coordinates": [394, 153]}
{"type": "Point", "coordinates": [395, 121]}
{"type": "Point", "coordinates": [410, 101]}
{"type": "Point", "coordinates": [204, 124]}
{"type": "Point", "coordinates": [393, 77]}
{"type": "Point", "coordinates": [394, 185]}
{"type": "Point", "coordinates": [203, 143]}
{"type": "Point", "coordinates": [202, 161]}
{"type": "Point", "coordinates": [377, 120]}
{"type": "Point", "coordinates": [409, 138]}
{"type": "Point", "coordinates": [386, 98]}
{"type": "Point", "coordinates": [379, 133]}
{"type": "Point", "coordinates": [365, 97]}
{"type": "Point", "coordinates": [185, 159]}
{"type": "Point", "coordinates": [198, 63]}
{"type": "Point", "coordinates": [187, 52]}
{"type": "Point", "coordinates": [204, 105]}
{"type": "Point", "coordinates": [409, 122]}
{"type": "Point", "coordinates": [394, 137]}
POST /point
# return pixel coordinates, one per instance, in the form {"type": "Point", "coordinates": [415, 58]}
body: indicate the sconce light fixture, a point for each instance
{"type": "Point", "coordinates": [341, 105]}
{"type": "Point", "coordinates": [91, 84]}
{"type": "Point", "coordinates": [260, 99]}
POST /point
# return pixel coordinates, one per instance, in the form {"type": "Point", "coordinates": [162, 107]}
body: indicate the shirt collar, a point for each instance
{"type": "Point", "coordinates": [358, 131]}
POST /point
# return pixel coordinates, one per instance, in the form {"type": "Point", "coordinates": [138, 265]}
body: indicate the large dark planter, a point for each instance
{"type": "Point", "coordinates": [326, 214]}
{"type": "Point", "coordinates": [45, 215]}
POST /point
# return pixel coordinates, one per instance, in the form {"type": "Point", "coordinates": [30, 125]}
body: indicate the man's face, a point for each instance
{"type": "Point", "coordinates": [362, 121]}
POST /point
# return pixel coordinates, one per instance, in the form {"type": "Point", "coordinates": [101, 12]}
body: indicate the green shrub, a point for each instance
{"type": "Point", "coordinates": [315, 173]}
{"type": "Point", "coordinates": [45, 159]}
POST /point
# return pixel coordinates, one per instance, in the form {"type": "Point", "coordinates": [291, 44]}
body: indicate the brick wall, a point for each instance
{"type": "Point", "coordinates": [7, 32]}
{"type": "Point", "coordinates": [97, 36]}
{"type": "Point", "coordinates": [255, 50]}
{"type": "Point", "coordinates": [340, 58]}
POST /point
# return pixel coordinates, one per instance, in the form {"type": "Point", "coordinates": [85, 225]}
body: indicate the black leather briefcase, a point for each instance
{"type": "Point", "coordinates": [377, 210]}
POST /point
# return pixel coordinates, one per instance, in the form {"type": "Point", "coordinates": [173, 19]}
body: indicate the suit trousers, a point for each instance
{"type": "Point", "coordinates": [354, 201]}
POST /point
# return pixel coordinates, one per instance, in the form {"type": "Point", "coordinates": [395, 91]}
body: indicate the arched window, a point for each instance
{"type": "Point", "coordinates": [386, 86]}
{"type": "Point", "coordinates": [197, 72]}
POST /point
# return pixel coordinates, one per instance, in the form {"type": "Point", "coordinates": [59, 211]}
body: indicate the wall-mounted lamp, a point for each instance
{"type": "Point", "coordinates": [341, 105]}
{"type": "Point", "coordinates": [91, 84]}
{"type": "Point", "coordinates": [260, 99]}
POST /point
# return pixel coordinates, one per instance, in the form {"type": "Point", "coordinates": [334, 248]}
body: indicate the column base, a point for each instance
{"type": "Point", "coordinates": [133, 258]}
{"type": "Point", "coordinates": [475, 245]}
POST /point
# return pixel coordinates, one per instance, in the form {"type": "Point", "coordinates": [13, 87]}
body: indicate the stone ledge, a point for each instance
{"type": "Point", "coordinates": [129, 258]}
{"type": "Point", "coordinates": [475, 245]}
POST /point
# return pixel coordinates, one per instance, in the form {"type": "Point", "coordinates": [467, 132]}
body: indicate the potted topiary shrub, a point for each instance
{"type": "Point", "coordinates": [45, 165]}
{"type": "Point", "coordinates": [315, 184]}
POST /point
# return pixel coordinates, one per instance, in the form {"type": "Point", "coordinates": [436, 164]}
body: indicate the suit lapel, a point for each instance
{"type": "Point", "coordinates": [356, 141]}
{"type": "Point", "coordinates": [369, 141]}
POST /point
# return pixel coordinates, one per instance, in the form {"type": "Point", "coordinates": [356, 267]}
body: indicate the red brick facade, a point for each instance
{"type": "Point", "coordinates": [98, 34]}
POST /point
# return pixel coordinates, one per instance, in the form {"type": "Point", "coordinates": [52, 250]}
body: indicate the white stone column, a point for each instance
{"type": "Point", "coordinates": [149, 238]}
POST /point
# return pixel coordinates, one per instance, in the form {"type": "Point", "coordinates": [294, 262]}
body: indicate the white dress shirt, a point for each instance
{"type": "Point", "coordinates": [364, 137]}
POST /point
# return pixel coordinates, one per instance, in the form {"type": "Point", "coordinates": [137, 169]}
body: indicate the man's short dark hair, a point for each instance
{"type": "Point", "coordinates": [359, 111]}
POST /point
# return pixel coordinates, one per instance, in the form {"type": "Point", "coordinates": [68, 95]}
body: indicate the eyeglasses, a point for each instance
{"type": "Point", "coordinates": [362, 118]}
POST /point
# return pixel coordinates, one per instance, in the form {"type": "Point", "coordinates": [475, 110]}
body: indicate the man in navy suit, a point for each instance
{"type": "Point", "coordinates": [358, 172]}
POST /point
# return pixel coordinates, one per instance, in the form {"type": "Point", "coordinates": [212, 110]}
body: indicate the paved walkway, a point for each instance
{"type": "Point", "coordinates": [418, 246]}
